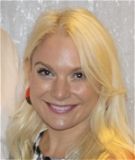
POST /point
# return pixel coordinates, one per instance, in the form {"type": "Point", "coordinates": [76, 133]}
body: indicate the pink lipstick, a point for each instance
{"type": "Point", "coordinates": [60, 109]}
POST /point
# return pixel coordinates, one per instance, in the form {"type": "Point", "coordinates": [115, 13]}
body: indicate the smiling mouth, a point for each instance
{"type": "Point", "coordinates": [61, 109]}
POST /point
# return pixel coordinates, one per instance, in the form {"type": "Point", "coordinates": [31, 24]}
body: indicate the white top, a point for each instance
{"type": "Point", "coordinates": [37, 152]}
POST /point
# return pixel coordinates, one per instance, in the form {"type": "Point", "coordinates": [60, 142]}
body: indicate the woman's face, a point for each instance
{"type": "Point", "coordinates": [59, 90]}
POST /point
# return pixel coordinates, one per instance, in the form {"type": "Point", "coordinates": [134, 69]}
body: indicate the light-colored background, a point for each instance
{"type": "Point", "coordinates": [18, 17]}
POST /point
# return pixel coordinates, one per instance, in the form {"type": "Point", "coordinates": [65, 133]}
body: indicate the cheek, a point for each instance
{"type": "Point", "coordinates": [86, 93]}
{"type": "Point", "coordinates": [37, 85]}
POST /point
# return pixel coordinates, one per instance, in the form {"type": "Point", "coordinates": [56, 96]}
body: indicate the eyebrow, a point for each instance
{"type": "Point", "coordinates": [45, 65]}
{"type": "Point", "coordinates": [49, 67]}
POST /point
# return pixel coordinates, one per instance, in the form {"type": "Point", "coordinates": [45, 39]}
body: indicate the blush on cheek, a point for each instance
{"type": "Point", "coordinates": [83, 91]}
{"type": "Point", "coordinates": [39, 88]}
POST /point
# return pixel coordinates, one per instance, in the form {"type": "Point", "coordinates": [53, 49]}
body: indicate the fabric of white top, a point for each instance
{"type": "Point", "coordinates": [37, 152]}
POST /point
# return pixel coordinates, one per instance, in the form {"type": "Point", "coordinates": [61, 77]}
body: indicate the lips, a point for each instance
{"type": "Point", "coordinates": [60, 109]}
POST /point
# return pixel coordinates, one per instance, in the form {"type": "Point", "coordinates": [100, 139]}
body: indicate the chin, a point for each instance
{"type": "Point", "coordinates": [59, 126]}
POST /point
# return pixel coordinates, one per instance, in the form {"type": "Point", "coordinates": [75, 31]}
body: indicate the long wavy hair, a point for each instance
{"type": "Point", "coordinates": [109, 136]}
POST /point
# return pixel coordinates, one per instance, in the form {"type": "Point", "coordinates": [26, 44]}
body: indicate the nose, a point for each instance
{"type": "Point", "coordinates": [60, 89]}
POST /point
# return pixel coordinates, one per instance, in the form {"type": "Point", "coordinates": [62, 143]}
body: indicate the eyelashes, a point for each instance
{"type": "Point", "coordinates": [44, 72]}
{"type": "Point", "coordinates": [79, 75]}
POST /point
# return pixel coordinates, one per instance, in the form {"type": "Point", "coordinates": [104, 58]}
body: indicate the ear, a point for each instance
{"type": "Point", "coordinates": [27, 68]}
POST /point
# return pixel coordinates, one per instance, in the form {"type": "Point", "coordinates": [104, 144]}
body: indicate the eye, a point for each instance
{"type": "Point", "coordinates": [79, 75]}
{"type": "Point", "coordinates": [44, 72]}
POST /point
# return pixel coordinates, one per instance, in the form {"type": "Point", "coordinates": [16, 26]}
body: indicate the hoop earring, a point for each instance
{"type": "Point", "coordinates": [27, 96]}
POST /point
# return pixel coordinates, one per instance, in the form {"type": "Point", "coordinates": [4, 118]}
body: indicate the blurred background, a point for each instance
{"type": "Point", "coordinates": [18, 18]}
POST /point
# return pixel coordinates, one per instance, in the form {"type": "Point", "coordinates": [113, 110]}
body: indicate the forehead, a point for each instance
{"type": "Point", "coordinates": [58, 49]}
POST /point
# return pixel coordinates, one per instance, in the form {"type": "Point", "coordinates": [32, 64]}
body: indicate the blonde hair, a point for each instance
{"type": "Point", "coordinates": [8, 85]}
{"type": "Point", "coordinates": [110, 136]}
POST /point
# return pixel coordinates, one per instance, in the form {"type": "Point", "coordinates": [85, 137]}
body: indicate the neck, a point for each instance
{"type": "Point", "coordinates": [56, 143]}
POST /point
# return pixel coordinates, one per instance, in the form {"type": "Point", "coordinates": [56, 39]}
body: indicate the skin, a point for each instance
{"type": "Point", "coordinates": [57, 80]}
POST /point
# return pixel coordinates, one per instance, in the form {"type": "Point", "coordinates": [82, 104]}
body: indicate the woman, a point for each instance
{"type": "Point", "coordinates": [9, 80]}
{"type": "Point", "coordinates": [75, 95]}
